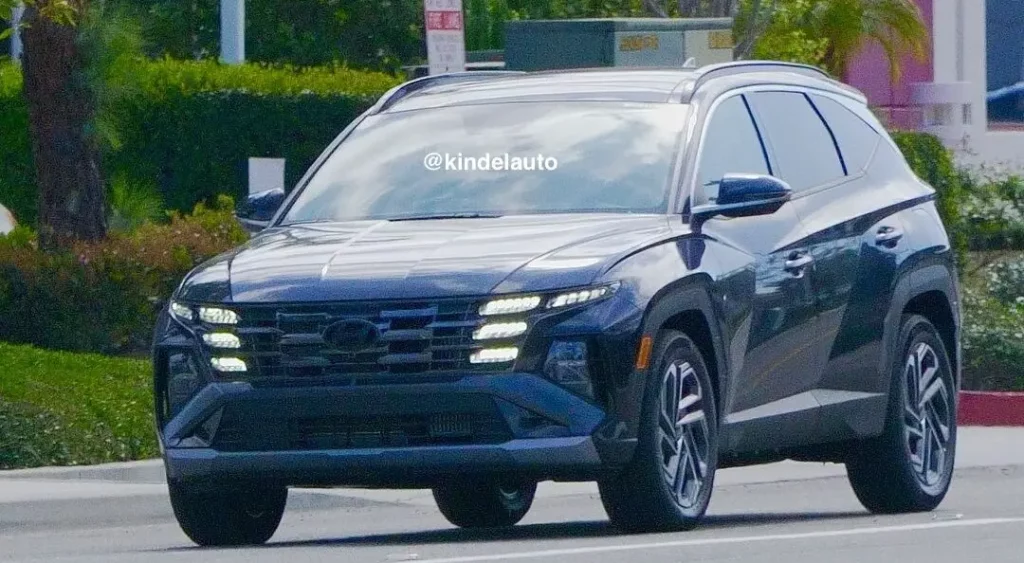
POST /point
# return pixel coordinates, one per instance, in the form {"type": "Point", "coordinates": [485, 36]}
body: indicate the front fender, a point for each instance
{"type": "Point", "coordinates": [667, 281]}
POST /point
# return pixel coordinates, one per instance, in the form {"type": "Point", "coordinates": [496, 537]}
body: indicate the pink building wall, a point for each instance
{"type": "Point", "coordinates": [869, 72]}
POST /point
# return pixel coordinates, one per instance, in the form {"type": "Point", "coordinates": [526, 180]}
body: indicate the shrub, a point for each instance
{"type": "Point", "coordinates": [933, 163]}
{"type": "Point", "coordinates": [73, 409]}
{"type": "Point", "coordinates": [104, 296]}
{"type": "Point", "coordinates": [189, 127]}
{"type": "Point", "coordinates": [132, 205]}
{"type": "Point", "coordinates": [993, 324]}
{"type": "Point", "coordinates": [993, 342]}
{"type": "Point", "coordinates": [994, 212]}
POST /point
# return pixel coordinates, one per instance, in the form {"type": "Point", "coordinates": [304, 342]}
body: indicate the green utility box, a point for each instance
{"type": "Point", "coordinates": [616, 42]}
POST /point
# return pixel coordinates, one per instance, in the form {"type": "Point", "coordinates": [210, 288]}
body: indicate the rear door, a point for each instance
{"type": "Point", "coordinates": [854, 235]}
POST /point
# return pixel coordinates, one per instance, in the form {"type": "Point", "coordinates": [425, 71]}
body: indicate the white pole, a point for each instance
{"type": "Point", "coordinates": [16, 45]}
{"type": "Point", "coordinates": [232, 31]}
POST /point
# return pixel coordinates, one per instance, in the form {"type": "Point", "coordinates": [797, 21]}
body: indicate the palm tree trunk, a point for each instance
{"type": "Point", "coordinates": [655, 8]}
{"type": "Point", "coordinates": [66, 157]}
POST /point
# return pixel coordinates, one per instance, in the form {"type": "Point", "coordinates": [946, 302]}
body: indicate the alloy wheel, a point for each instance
{"type": "Point", "coordinates": [683, 434]}
{"type": "Point", "coordinates": [927, 414]}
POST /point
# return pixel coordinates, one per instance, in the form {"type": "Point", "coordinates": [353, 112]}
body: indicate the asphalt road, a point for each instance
{"type": "Point", "coordinates": [756, 515]}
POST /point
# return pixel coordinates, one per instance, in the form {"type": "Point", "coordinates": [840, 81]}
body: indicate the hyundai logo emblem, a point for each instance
{"type": "Point", "coordinates": [352, 335]}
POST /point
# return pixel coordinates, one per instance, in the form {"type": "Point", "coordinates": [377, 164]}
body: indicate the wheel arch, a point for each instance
{"type": "Point", "coordinates": [934, 306]}
{"type": "Point", "coordinates": [932, 292]}
{"type": "Point", "coordinates": [689, 308]}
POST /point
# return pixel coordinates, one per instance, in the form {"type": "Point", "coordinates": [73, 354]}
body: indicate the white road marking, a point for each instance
{"type": "Point", "coordinates": [721, 541]}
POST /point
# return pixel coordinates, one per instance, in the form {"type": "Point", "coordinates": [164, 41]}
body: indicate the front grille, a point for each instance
{"type": "Point", "coordinates": [288, 342]}
{"type": "Point", "coordinates": [340, 432]}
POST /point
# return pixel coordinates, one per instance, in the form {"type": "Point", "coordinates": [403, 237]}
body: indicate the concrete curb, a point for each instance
{"type": "Point", "coordinates": [979, 408]}
{"type": "Point", "coordinates": [150, 471]}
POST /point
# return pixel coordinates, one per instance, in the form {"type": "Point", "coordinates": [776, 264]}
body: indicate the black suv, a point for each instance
{"type": "Point", "coordinates": [634, 277]}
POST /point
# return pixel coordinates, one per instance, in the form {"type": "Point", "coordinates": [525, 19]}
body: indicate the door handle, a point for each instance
{"type": "Point", "coordinates": [888, 236]}
{"type": "Point", "coordinates": [798, 262]}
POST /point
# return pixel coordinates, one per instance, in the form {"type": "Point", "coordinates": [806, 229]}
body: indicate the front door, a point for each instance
{"type": "Point", "coordinates": [761, 402]}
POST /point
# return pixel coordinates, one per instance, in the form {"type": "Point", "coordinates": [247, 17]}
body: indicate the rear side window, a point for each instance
{"type": "Point", "coordinates": [857, 140]}
{"type": "Point", "coordinates": [731, 146]}
{"type": "Point", "coordinates": [804, 149]}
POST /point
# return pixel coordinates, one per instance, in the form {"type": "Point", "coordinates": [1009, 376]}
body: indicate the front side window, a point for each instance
{"type": "Point", "coordinates": [499, 159]}
{"type": "Point", "coordinates": [731, 146]}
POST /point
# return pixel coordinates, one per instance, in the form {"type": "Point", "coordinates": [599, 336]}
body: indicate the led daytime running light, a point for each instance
{"type": "Point", "coordinates": [182, 312]}
{"type": "Point", "coordinates": [581, 296]}
{"type": "Point", "coordinates": [499, 330]}
{"type": "Point", "coordinates": [228, 364]}
{"type": "Point", "coordinates": [494, 356]}
{"type": "Point", "coordinates": [218, 316]}
{"type": "Point", "coordinates": [222, 340]}
{"type": "Point", "coordinates": [511, 305]}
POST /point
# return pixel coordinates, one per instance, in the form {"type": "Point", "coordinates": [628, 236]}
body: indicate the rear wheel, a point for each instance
{"type": "Point", "coordinates": [910, 466]}
{"type": "Point", "coordinates": [668, 484]}
{"type": "Point", "coordinates": [484, 503]}
{"type": "Point", "coordinates": [225, 518]}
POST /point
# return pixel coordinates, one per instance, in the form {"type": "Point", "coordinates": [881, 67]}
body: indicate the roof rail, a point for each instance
{"type": "Point", "coordinates": [739, 67]}
{"type": "Point", "coordinates": [719, 70]}
{"type": "Point", "coordinates": [394, 95]}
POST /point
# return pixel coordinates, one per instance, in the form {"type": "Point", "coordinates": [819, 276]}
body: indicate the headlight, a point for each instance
{"type": "Point", "coordinates": [183, 381]}
{"type": "Point", "coordinates": [510, 305]}
{"type": "Point", "coordinates": [566, 365]}
{"type": "Point", "coordinates": [182, 312]}
{"type": "Point", "coordinates": [218, 316]}
{"type": "Point", "coordinates": [582, 296]}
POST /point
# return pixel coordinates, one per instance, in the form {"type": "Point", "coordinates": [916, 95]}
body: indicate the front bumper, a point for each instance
{"type": "Point", "coordinates": [524, 425]}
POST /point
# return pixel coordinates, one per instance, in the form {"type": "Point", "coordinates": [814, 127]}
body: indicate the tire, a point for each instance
{"type": "Point", "coordinates": [484, 503]}
{"type": "Point", "coordinates": [646, 496]}
{"type": "Point", "coordinates": [910, 466]}
{"type": "Point", "coordinates": [246, 517]}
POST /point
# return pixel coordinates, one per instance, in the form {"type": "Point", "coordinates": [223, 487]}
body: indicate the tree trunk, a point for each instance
{"type": "Point", "coordinates": [655, 8]}
{"type": "Point", "coordinates": [707, 8]}
{"type": "Point", "coordinates": [66, 156]}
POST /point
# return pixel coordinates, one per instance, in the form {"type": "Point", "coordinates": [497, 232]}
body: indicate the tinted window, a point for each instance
{"type": "Point", "coordinates": [803, 147]}
{"type": "Point", "coordinates": [731, 146]}
{"type": "Point", "coordinates": [857, 140]}
{"type": "Point", "coordinates": [503, 159]}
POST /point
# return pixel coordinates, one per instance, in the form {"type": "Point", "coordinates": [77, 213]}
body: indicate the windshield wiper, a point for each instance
{"type": "Point", "coordinates": [446, 216]}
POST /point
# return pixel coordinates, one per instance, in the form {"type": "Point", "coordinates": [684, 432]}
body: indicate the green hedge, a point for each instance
{"type": "Point", "coordinates": [73, 409]}
{"type": "Point", "coordinates": [189, 127]}
{"type": "Point", "coordinates": [933, 163]}
{"type": "Point", "coordinates": [104, 296]}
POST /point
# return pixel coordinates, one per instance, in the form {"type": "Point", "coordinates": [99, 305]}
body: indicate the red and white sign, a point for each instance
{"type": "Point", "coordinates": [446, 36]}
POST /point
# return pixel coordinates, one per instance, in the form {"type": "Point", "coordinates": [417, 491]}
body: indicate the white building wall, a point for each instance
{"type": "Point", "coordinates": [959, 46]}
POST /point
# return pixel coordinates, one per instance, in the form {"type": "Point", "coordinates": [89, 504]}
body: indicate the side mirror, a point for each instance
{"type": "Point", "coordinates": [744, 195]}
{"type": "Point", "coordinates": [258, 209]}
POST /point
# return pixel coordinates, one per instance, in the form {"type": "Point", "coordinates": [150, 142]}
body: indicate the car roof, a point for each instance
{"type": "Point", "coordinates": [632, 85]}
{"type": "Point", "coordinates": [647, 85]}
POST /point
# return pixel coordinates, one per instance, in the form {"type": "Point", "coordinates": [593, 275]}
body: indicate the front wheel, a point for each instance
{"type": "Point", "coordinates": [668, 484]}
{"type": "Point", "coordinates": [484, 503]}
{"type": "Point", "coordinates": [910, 466]}
{"type": "Point", "coordinates": [228, 518]}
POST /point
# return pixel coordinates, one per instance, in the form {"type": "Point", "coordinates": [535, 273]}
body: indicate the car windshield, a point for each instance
{"type": "Point", "coordinates": [499, 159]}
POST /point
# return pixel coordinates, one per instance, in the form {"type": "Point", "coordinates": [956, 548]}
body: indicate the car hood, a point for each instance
{"type": "Point", "coordinates": [416, 259]}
